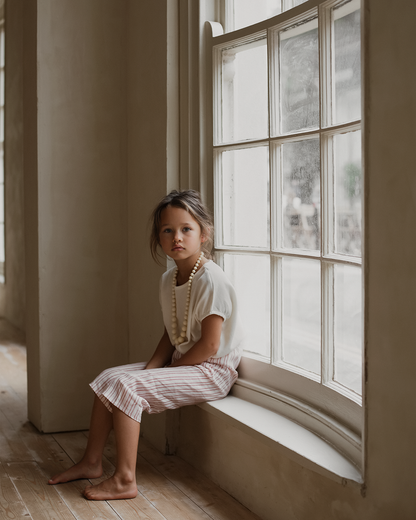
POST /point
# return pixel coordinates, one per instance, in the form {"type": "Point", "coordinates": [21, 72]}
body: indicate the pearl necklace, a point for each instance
{"type": "Point", "coordinates": [177, 340]}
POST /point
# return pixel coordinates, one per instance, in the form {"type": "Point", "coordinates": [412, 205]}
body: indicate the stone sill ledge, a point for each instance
{"type": "Point", "coordinates": [287, 437]}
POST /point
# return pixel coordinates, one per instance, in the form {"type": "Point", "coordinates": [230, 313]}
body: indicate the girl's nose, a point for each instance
{"type": "Point", "coordinates": [177, 237]}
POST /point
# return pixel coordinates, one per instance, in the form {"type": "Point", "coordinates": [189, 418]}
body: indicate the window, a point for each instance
{"type": "Point", "coordinates": [287, 183]}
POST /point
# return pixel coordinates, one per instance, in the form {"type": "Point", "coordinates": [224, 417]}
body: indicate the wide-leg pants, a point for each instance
{"type": "Point", "coordinates": [133, 390]}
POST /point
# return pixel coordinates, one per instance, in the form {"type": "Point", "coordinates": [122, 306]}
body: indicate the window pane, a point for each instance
{"type": "Point", "coordinates": [245, 186]}
{"type": "Point", "coordinates": [299, 77]}
{"type": "Point", "coordinates": [346, 20]}
{"type": "Point", "coordinates": [301, 194]}
{"type": "Point", "coordinates": [250, 276]}
{"type": "Point", "coordinates": [348, 181]}
{"type": "Point", "coordinates": [244, 91]}
{"type": "Point", "coordinates": [348, 327]}
{"type": "Point", "coordinates": [247, 12]}
{"type": "Point", "coordinates": [302, 313]}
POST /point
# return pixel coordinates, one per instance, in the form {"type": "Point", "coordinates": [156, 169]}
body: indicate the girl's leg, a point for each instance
{"type": "Point", "coordinates": [90, 466]}
{"type": "Point", "coordinates": [123, 483]}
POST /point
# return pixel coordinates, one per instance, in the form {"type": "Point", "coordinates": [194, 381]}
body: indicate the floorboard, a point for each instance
{"type": "Point", "coordinates": [169, 489]}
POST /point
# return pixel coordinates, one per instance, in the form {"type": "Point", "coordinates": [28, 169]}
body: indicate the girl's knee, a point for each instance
{"type": "Point", "coordinates": [109, 375]}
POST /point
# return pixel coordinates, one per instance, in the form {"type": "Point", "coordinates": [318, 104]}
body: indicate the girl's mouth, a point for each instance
{"type": "Point", "coordinates": [177, 248]}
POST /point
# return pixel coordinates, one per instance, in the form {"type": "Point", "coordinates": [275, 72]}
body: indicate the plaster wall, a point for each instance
{"type": "Point", "coordinates": [78, 203]}
{"type": "Point", "coordinates": [149, 158]}
{"type": "Point", "coordinates": [14, 290]}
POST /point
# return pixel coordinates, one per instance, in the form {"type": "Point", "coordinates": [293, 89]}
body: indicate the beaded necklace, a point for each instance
{"type": "Point", "coordinates": [177, 340]}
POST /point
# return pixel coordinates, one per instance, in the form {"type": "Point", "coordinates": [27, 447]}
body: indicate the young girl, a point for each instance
{"type": "Point", "coordinates": [195, 360]}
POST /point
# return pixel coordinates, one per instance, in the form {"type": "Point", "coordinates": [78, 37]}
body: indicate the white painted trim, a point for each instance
{"type": "Point", "coordinates": [327, 351]}
{"type": "Point", "coordinates": [218, 197]}
{"type": "Point", "coordinates": [343, 409]}
{"type": "Point", "coordinates": [326, 70]}
{"type": "Point", "coordinates": [277, 312]}
{"type": "Point", "coordinates": [325, 426]}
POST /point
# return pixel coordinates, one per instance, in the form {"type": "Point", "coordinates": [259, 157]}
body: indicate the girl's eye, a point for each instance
{"type": "Point", "coordinates": [186, 229]}
{"type": "Point", "coordinates": [167, 230]}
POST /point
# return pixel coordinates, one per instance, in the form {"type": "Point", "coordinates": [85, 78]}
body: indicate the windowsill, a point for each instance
{"type": "Point", "coordinates": [287, 437]}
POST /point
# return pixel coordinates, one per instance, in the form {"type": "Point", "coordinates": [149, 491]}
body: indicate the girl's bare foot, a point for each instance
{"type": "Point", "coordinates": [78, 471]}
{"type": "Point", "coordinates": [113, 488]}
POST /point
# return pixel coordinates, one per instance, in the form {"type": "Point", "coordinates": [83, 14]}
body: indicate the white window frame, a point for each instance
{"type": "Point", "coordinates": [324, 407]}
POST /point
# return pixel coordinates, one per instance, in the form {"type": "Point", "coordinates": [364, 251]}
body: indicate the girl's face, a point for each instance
{"type": "Point", "coordinates": [180, 235]}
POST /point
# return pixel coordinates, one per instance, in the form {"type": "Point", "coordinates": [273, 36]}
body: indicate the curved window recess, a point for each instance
{"type": "Point", "coordinates": [287, 208]}
{"type": "Point", "coordinates": [328, 414]}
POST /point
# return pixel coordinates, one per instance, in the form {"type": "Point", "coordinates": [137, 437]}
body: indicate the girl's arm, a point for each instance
{"type": "Point", "coordinates": [162, 354]}
{"type": "Point", "coordinates": [207, 346]}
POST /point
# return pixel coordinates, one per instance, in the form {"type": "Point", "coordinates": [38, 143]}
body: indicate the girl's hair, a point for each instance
{"type": "Point", "coordinates": [190, 201]}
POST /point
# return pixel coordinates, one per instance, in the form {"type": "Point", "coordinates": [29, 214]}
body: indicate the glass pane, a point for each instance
{"type": "Point", "coordinates": [247, 12]}
{"type": "Point", "coordinates": [301, 194]}
{"type": "Point", "coordinates": [245, 207]}
{"type": "Point", "coordinates": [346, 20]}
{"type": "Point", "coordinates": [244, 92]}
{"type": "Point", "coordinates": [348, 182]}
{"type": "Point", "coordinates": [302, 313]}
{"type": "Point", "coordinates": [250, 276]}
{"type": "Point", "coordinates": [348, 327]}
{"type": "Point", "coordinates": [299, 77]}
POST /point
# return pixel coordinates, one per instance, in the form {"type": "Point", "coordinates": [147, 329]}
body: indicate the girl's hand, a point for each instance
{"type": "Point", "coordinates": [207, 346]}
{"type": "Point", "coordinates": [163, 353]}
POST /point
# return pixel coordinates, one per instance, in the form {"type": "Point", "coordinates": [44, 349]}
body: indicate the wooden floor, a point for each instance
{"type": "Point", "coordinates": [168, 487]}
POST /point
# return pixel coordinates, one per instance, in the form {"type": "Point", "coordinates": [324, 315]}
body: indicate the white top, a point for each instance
{"type": "Point", "coordinates": [211, 293]}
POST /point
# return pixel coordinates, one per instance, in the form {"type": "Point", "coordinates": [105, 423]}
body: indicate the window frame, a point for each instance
{"type": "Point", "coordinates": [326, 408]}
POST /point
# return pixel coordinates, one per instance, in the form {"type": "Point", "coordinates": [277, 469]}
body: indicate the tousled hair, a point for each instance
{"type": "Point", "coordinates": [190, 201]}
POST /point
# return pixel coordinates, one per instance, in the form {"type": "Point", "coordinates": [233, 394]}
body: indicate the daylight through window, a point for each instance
{"type": "Point", "coordinates": [288, 177]}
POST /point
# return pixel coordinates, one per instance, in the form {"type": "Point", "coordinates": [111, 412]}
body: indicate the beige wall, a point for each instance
{"type": "Point", "coordinates": [152, 160]}
{"type": "Point", "coordinates": [100, 147]}
{"type": "Point", "coordinates": [12, 294]}
{"type": "Point", "coordinates": [77, 204]}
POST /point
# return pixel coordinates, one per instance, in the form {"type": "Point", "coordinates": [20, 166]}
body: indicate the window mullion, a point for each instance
{"type": "Point", "coordinates": [327, 194]}
{"type": "Point", "coordinates": [217, 96]}
{"type": "Point", "coordinates": [277, 307]}
{"type": "Point", "coordinates": [327, 359]}
{"type": "Point", "coordinates": [276, 196]}
{"type": "Point", "coordinates": [274, 83]}
{"type": "Point", "coordinates": [325, 76]}
{"type": "Point", "coordinates": [218, 217]}
{"type": "Point", "coordinates": [228, 15]}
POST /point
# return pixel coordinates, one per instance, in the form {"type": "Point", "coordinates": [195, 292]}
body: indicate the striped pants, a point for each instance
{"type": "Point", "coordinates": [133, 390]}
